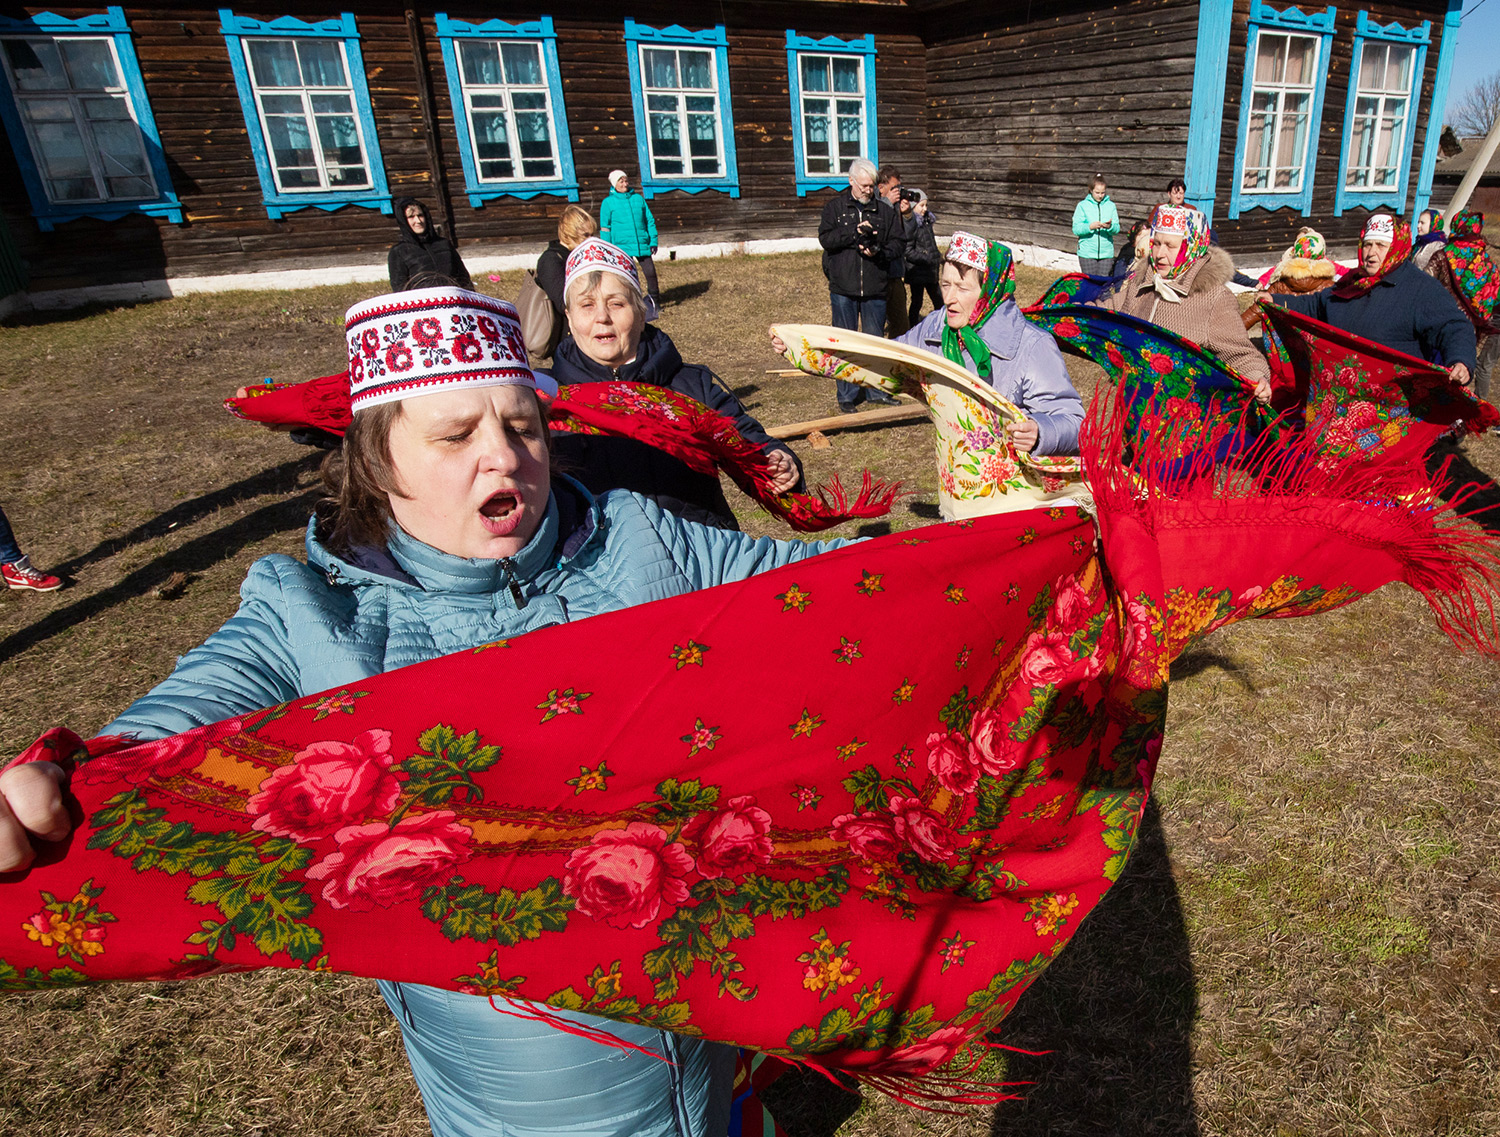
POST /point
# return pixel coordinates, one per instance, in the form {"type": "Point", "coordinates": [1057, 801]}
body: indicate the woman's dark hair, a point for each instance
{"type": "Point", "coordinates": [357, 478]}
{"type": "Point", "coordinates": [1177, 183]}
{"type": "Point", "coordinates": [430, 280]}
{"type": "Point", "coordinates": [1097, 180]}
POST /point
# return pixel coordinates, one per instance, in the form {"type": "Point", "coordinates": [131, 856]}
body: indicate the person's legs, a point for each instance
{"type": "Point", "coordinates": [872, 322]}
{"type": "Point", "coordinates": [648, 278]}
{"type": "Point", "coordinates": [1096, 267]}
{"type": "Point", "coordinates": [846, 315]}
{"type": "Point", "coordinates": [486, 1073]}
{"type": "Point", "coordinates": [895, 308]}
{"type": "Point", "coordinates": [10, 552]}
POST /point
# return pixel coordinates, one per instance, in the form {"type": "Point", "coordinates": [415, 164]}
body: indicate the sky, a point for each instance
{"type": "Point", "coordinates": [1475, 56]}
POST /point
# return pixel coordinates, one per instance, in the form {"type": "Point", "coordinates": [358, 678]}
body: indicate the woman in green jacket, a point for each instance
{"type": "Point", "coordinates": [625, 221]}
{"type": "Point", "coordinates": [1095, 223]}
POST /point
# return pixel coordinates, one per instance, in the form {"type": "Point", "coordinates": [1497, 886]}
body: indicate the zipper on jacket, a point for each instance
{"type": "Point", "coordinates": [508, 570]}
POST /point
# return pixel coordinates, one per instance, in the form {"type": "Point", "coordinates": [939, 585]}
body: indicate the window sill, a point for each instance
{"type": "Point", "coordinates": [521, 190]}
{"type": "Point", "coordinates": [651, 188]}
{"type": "Point", "coordinates": [806, 186]}
{"type": "Point", "coordinates": [282, 204]}
{"type": "Point", "coordinates": [1393, 198]}
{"type": "Point", "coordinates": [53, 215]}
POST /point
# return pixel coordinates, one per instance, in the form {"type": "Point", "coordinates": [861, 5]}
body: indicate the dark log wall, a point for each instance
{"type": "Point", "coordinates": [191, 89]}
{"type": "Point", "coordinates": [1022, 114]}
{"type": "Point", "coordinates": [1267, 231]}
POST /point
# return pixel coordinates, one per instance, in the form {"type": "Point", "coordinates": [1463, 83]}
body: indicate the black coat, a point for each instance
{"type": "Point", "coordinates": [607, 463]}
{"type": "Point", "coordinates": [1406, 310]}
{"type": "Point", "coordinates": [923, 259]}
{"type": "Point", "coordinates": [552, 273]}
{"type": "Point", "coordinates": [412, 255]}
{"type": "Point", "coordinates": [853, 269]}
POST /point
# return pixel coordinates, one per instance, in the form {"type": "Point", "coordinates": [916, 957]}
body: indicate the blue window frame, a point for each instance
{"type": "Point", "coordinates": [307, 112]}
{"type": "Point", "coordinates": [832, 84]}
{"type": "Point", "coordinates": [684, 123]}
{"type": "Point", "coordinates": [74, 104]}
{"type": "Point", "coordinates": [506, 92]}
{"type": "Point", "coordinates": [1281, 108]}
{"type": "Point", "coordinates": [1380, 117]}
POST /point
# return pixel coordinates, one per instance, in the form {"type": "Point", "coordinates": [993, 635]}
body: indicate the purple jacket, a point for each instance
{"type": "Point", "coordinates": [1026, 369]}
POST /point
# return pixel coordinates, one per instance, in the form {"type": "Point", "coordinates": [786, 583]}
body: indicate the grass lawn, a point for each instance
{"type": "Point", "coordinates": [1307, 940]}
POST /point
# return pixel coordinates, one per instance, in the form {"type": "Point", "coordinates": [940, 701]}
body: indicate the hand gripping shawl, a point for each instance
{"type": "Point", "coordinates": [703, 440]}
{"type": "Point", "coordinates": [882, 849]}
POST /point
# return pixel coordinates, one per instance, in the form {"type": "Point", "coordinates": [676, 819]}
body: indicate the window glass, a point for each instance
{"type": "Point", "coordinates": [1281, 101]}
{"type": "Point", "coordinates": [509, 110]}
{"type": "Point", "coordinates": [682, 103]}
{"type": "Point", "coordinates": [307, 110]}
{"type": "Point", "coordinates": [833, 131]}
{"type": "Point", "coordinates": [78, 119]}
{"type": "Point", "coordinates": [1377, 131]}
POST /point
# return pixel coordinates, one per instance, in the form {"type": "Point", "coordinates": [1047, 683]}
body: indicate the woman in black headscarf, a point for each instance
{"type": "Point", "coordinates": [422, 251]}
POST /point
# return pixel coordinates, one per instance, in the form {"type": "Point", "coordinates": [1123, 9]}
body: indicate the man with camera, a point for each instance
{"type": "Point", "coordinates": [861, 238]}
{"type": "Point", "coordinates": [888, 186]}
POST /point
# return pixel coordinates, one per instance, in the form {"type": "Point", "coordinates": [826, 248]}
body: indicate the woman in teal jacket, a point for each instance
{"type": "Point", "coordinates": [1095, 223]}
{"type": "Point", "coordinates": [446, 530]}
{"type": "Point", "coordinates": [625, 221]}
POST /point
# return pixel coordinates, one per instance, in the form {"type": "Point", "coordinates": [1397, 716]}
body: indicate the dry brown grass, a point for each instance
{"type": "Point", "coordinates": [1306, 942]}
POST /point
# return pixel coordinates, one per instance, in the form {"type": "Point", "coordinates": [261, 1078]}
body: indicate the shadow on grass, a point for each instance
{"type": "Point", "coordinates": [1482, 505]}
{"type": "Point", "coordinates": [1116, 1011]}
{"type": "Point", "coordinates": [277, 480]}
{"type": "Point", "coordinates": [195, 556]}
{"type": "Point", "coordinates": [1196, 662]}
{"type": "Point", "coordinates": [681, 293]}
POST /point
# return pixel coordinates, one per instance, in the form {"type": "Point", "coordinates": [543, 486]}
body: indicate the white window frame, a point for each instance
{"type": "Point", "coordinates": [1271, 136]}
{"type": "Point", "coordinates": [508, 90]}
{"type": "Point", "coordinates": [1390, 195]}
{"type": "Point", "coordinates": [840, 161]}
{"type": "Point", "coordinates": [682, 113]}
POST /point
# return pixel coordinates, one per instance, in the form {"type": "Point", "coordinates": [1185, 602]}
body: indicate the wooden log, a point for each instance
{"type": "Point", "coordinates": [905, 412]}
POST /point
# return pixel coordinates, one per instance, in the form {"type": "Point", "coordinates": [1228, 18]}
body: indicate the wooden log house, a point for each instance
{"type": "Point", "coordinates": [190, 142]}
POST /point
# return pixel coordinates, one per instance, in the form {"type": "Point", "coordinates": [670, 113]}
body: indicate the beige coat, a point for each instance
{"type": "Point", "coordinates": [1208, 314]}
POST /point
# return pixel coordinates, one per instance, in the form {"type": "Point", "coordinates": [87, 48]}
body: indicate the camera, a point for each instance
{"type": "Point", "coordinates": [911, 195]}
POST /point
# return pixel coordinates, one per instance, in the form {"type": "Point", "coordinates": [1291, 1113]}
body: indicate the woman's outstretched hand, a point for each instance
{"type": "Point", "coordinates": [777, 343]}
{"type": "Point", "coordinates": [31, 806]}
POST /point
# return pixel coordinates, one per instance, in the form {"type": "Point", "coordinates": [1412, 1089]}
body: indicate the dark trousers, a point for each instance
{"type": "Point", "coordinates": [648, 276]}
{"type": "Point", "coordinates": [1093, 267]}
{"type": "Point", "coordinates": [10, 552]}
{"type": "Point", "coordinates": [918, 287]}
{"type": "Point", "coordinates": [857, 314]}
{"type": "Point", "coordinates": [896, 323]}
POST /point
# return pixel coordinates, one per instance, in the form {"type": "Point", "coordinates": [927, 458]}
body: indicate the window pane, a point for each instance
{"type": "Point", "coordinates": [339, 139]}
{"type": "Point", "coordinates": [702, 103]}
{"type": "Point", "coordinates": [322, 63]}
{"type": "Point", "coordinates": [846, 75]}
{"type": "Point", "coordinates": [662, 103]}
{"type": "Point", "coordinates": [273, 62]}
{"type": "Point", "coordinates": [661, 68]}
{"type": "Point", "coordinates": [282, 104]}
{"type": "Point", "coordinates": [479, 62]}
{"type": "Point", "coordinates": [90, 63]}
{"type": "Point", "coordinates": [1299, 63]}
{"type": "Point", "coordinates": [130, 187]}
{"type": "Point", "coordinates": [36, 65]}
{"type": "Point", "coordinates": [331, 104]}
{"type": "Point", "coordinates": [815, 73]}
{"type": "Point", "coordinates": [1398, 70]}
{"type": "Point", "coordinates": [120, 150]}
{"type": "Point", "coordinates": [529, 101]}
{"type": "Point", "coordinates": [291, 142]}
{"type": "Point", "coordinates": [523, 63]}
{"type": "Point", "coordinates": [103, 108]}
{"type": "Point", "coordinates": [1371, 66]}
{"type": "Point", "coordinates": [697, 70]}
{"type": "Point", "coordinates": [1270, 58]}
{"type": "Point", "coordinates": [348, 177]}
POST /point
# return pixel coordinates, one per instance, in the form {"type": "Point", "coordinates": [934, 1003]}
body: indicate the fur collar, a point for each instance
{"type": "Point", "coordinates": [1215, 270]}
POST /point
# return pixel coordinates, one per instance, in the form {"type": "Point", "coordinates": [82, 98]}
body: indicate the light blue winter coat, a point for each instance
{"type": "Point", "coordinates": [1096, 244]}
{"type": "Point", "coordinates": [302, 628]}
{"type": "Point", "coordinates": [1026, 369]}
{"type": "Point", "coordinates": [625, 220]}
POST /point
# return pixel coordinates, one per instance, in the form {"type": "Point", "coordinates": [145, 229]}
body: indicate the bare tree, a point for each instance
{"type": "Point", "coordinates": [1474, 112]}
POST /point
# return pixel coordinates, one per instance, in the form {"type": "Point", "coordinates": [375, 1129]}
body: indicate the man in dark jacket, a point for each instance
{"type": "Point", "coordinates": [605, 463]}
{"type": "Point", "coordinates": [888, 188]}
{"type": "Point", "coordinates": [421, 251]}
{"type": "Point", "coordinates": [861, 239]}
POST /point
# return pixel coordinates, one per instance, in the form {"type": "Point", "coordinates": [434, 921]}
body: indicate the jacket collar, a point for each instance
{"type": "Point", "coordinates": [572, 523]}
{"type": "Point", "coordinates": [657, 361]}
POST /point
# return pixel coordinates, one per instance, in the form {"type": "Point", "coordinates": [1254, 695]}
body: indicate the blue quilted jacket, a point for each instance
{"type": "Point", "coordinates": [302, 628]}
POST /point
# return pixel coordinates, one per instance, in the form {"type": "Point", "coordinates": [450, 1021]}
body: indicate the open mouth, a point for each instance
{"type": "Point", "coordinates": [501, 512]}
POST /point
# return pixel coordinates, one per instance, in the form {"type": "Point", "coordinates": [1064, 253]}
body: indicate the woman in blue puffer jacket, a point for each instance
{"type": "Point", "coordinates": [446, 530]}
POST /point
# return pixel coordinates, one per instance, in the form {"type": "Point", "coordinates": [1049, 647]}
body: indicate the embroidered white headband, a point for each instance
{"type": "Point", "coordinates": [431, 340]}
{"type": "Point", "coordinates": [1171, 220]}
{"type": "Point", "coordinates": [1380, 227]}
{"type": "Point", "coordinates": [595, 255]}
{"type": "Point", "coordinates": [967, 249]}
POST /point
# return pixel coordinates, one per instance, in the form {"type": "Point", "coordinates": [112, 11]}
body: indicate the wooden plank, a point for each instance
{"type": "Point", "coordinates": [907, 412]}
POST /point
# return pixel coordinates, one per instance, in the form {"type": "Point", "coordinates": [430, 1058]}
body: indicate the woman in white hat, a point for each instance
{"type": "Point", "coordinates": [445, 529]}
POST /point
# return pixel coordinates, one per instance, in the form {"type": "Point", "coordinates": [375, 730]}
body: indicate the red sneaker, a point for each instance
{"type": "Point", "coordinates": [20, 574]}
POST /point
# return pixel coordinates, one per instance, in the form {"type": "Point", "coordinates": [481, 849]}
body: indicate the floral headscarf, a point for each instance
{"type": "Point", "coordinates": [999, 270]}
{"type": "Point", "coordinates": [1188, 223]}
{"type": "Point", "coordinates": [1473, 271]}
{"type": "Point", "coordinates": [1309, 245]}
{"type": "Point", "coordinates": [1357, 281]}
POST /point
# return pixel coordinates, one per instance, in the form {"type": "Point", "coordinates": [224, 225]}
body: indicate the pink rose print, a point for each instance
{"type": "Point", "coordinates": [625, 876]}
{"type": "Point", "coordinates": [927, 1054]}
{"type": "Point", "coordinates": [427, 331]}
{"type": "Point", "coordinates": [950, 761]}
{"type": "Point", "coordinates": [871, 836]}
{"type": "Point", "coordinates": [466, 348]}
{"type": "Point", "coordinates": [329, 786]}
{"type": "Point", "coordinates": [922, 830]}
{"type": "Point", "coordinates": [991, 746]}
{"type": "Point", "coordinates": [1047, 659]}
{"type": "Point", "coordinates": [398, 357]}
{"type": "Point", "coordinates": [378, 866]}
{"type": "Point", "coordinates": [1072, 607]}
{"type": "Point", "coordinates": [732, 841]}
